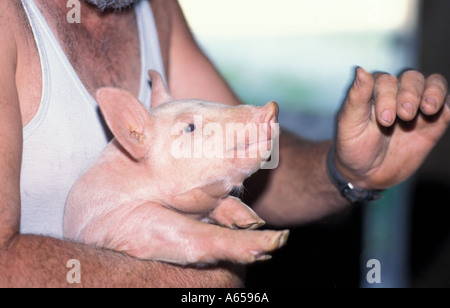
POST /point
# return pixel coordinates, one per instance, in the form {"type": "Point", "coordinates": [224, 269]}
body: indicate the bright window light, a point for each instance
{"type": "Point", "coordinates": [303, 53]}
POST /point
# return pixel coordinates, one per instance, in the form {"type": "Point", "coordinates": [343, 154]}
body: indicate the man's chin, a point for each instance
{"type": "Point", "coordinates": [103, 5]}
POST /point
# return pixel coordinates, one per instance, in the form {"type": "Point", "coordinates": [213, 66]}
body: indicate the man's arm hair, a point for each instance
{"type": "Point", "coordinates": [38, 261]}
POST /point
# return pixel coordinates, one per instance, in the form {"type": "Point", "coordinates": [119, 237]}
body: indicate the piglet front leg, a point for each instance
{"type": "Point", "coordinates": [235, 214]}
{"type": "Point", "coordinates": [146, 234]}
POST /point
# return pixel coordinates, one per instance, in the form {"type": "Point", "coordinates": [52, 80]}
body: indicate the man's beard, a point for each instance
{"type": "Point", "coordinates": [111, 4]}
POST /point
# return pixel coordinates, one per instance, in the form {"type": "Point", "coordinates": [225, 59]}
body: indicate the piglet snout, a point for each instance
{"type": "Point", "coordinates": [271, 112]}
{"type": "Point", "coordinates": [269, 119]}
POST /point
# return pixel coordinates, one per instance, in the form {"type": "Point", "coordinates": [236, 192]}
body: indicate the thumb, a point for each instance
{"type": "Point", "coordinates": [357, 107]}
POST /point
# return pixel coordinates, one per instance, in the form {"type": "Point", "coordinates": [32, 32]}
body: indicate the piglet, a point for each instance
{"type": "Point", "coordinates": [160, 190]}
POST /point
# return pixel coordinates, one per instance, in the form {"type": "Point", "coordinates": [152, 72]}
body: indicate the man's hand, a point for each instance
{"type": "Point", "coordinates": [387, 126]}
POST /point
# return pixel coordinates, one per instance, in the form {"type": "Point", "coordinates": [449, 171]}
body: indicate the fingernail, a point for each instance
{"type": "Point", "coordinates": [431, 101]}
{"type": "Point", "coordinates": [409, 108]}
{"type": "Point", "coordinates": [360, 68]}
{"type": "Point", "coordinates": [386, 115]}
{"type": "Point", "coordinates": [359, 76]}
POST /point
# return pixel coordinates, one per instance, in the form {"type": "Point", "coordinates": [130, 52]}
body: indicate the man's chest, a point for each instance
{"type": "Point", "coordinates": [103, 51]}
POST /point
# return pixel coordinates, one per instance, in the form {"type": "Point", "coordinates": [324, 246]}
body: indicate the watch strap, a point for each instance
{"type": "Point", "coordinates": [347, 189]}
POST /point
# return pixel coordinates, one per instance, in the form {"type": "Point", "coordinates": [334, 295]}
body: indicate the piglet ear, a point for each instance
{"type": "Point", "coordinates": [160, 94]}
{"type": "Point", "coordinates": [128, 120]}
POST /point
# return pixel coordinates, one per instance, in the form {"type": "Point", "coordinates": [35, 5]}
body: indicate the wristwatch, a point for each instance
{"type": "Point", "coordinates": [347, 189]}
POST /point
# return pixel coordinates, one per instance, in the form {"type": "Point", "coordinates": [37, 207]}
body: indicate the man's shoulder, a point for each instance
{"type": "Point", "coordinates": [163, 12]}
{"type": "Point", "coordinates": [14, 27]}
{"type": "Point", "coordinates": [9, 11]}
{"type": "Point", "coordinates": [13, 19]}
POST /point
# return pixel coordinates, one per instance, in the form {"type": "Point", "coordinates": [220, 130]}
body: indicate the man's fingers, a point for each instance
{"type": "Point", "coordinates": [409, 97]}
{"type": "Point", "coordinates": [358, 103]}
{"type": "Point", "coordinates": [385, 95]}
{"type": "Point", "coordinates": [435, 94]}
{"type": "Point", "coordinates": [394, 97]}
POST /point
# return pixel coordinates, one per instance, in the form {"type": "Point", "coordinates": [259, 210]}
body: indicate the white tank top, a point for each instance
{"type": "Point", "coordinates": [67, 135]}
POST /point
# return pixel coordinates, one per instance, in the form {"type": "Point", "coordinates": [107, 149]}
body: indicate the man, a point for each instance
{"type": "Point", "coordinates": [385, 130]}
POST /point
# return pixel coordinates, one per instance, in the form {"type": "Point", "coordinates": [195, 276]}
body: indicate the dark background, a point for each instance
{"type": "Point", "coordinates": [327, 253]}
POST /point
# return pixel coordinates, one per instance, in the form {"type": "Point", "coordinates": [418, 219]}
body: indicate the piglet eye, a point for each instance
{"type": "Point", "coordinates": [190, 128]}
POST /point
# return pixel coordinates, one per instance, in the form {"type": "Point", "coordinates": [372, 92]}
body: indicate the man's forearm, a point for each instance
{"type": "Point", "coordinates": [299, 189]}
{"type": "Point", "coordinates": [37, 261]}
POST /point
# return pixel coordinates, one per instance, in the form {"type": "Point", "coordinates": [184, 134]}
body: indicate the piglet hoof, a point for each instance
{"type": "Point", "coordinates": [283, 238]}
{"type": "Point", "coordinates": [280, 240]}
{"type": "Point", "coordinates": [277, 242]}
{"type": "Point", "coordinates": [234, 214]}
{"type": "Point", "coordinates": [250, 225]}
{"type": "Point", "coordinates": [249, 246]}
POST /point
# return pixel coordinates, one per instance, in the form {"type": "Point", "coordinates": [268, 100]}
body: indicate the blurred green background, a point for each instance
{"type": "Point", "coordinates": [303, 54]}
